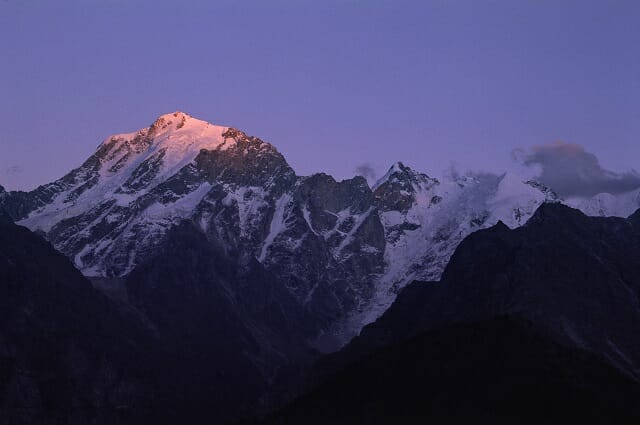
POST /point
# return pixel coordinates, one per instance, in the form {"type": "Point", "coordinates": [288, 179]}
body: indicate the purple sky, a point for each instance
{"type": "Point", "coordinates": [332, 84]}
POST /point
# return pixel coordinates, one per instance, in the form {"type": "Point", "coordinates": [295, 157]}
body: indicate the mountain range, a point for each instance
{"type": "Point", "coordinates": [198, 250]}
{"type": "Point", "coordinates": [342, 249]}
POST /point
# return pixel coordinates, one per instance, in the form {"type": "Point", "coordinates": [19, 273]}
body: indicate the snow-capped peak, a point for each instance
{"type": "Point", "coordinates": [397, 168]}
{"type": "Point", "coordinates": [177, 122]}
{"type": "Point", "coordinates": [400, 187]}
{"type": "Point", "coordinates": [127, 166]}
{"type": "Point", "coordinates": [156, 152]}
{"type": "Point", "coordinates": [402, 174]}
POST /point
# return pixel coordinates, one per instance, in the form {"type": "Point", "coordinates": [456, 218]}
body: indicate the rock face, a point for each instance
{"type": "Point", "coordinates": [343, 250]}
{"type": "Point", "coordinates": [537, 324]}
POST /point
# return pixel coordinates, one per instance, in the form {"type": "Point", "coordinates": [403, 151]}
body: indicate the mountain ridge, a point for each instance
{"type": "Point", "coordinates": [573, 276]}
{"type": "Point", "coordinates": [343, 249]}
{"type": "Point", "coordinates": [536, 324]}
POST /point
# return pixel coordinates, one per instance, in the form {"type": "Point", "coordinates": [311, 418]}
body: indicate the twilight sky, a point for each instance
{"type": "Point", "coordinates": [333, 84]}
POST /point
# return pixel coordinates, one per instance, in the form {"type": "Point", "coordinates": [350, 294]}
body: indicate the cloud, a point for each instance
{"type": "Point", "coordinates": [14, 170]}
{"type": "Point", "coordinates": [572, 171]}
{"type": "Point", "coordinates": [367, 171]}
{"type": "Point", "coordinates": [455, 174]}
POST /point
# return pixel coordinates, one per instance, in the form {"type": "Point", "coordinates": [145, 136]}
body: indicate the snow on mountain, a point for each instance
{"type": "Point", "coordinates": [109, 214]}
{"type": "Point", "coordinates": [425, 219]}
{"type": "Point", "coordinates": [607, 205]}
{"type": "Point", "coordinates": [342, 249]}
{"type": "Point", "coordinates": [125, 166]}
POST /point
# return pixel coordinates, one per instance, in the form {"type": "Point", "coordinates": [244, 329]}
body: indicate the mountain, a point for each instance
{"type": "Point", "coordinates": [193, 339]}
{"type": "Point", "coordinates": [214, 276]}
{"type": "Point", "coordinates": [231, 334]}
{"type": "Point", "coordinates": [575, 277]}
{"type": "Point", "coordinates": [342, 250]}
{"type": "Point", "coordinates": [537, 324]}
{"type": "Point", "coordinates": [606, 204]}
{"type": "Point", "coordinates": [67, 354]}
{"type": "Point", "coordinates": [498, 371]}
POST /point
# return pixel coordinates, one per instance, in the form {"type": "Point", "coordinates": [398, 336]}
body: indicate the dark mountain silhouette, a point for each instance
{"type": "Point", "coordinates": [497, 371]}
{"type": "Point", "coordinates": [230, 332]}
{"type": "Point", "coordinates": [68, 355]}
{"type": "Point", "coordinates": [195, 338]}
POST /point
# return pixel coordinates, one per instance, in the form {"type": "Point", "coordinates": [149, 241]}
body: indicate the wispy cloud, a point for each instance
{"type": "Point", "coordinates": [367, 171]}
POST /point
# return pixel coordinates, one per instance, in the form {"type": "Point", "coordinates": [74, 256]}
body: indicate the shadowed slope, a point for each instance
{"type": "Point", "coordinates": [67, 354]}
{"type": "Point", "coordinates": [534, 325]}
